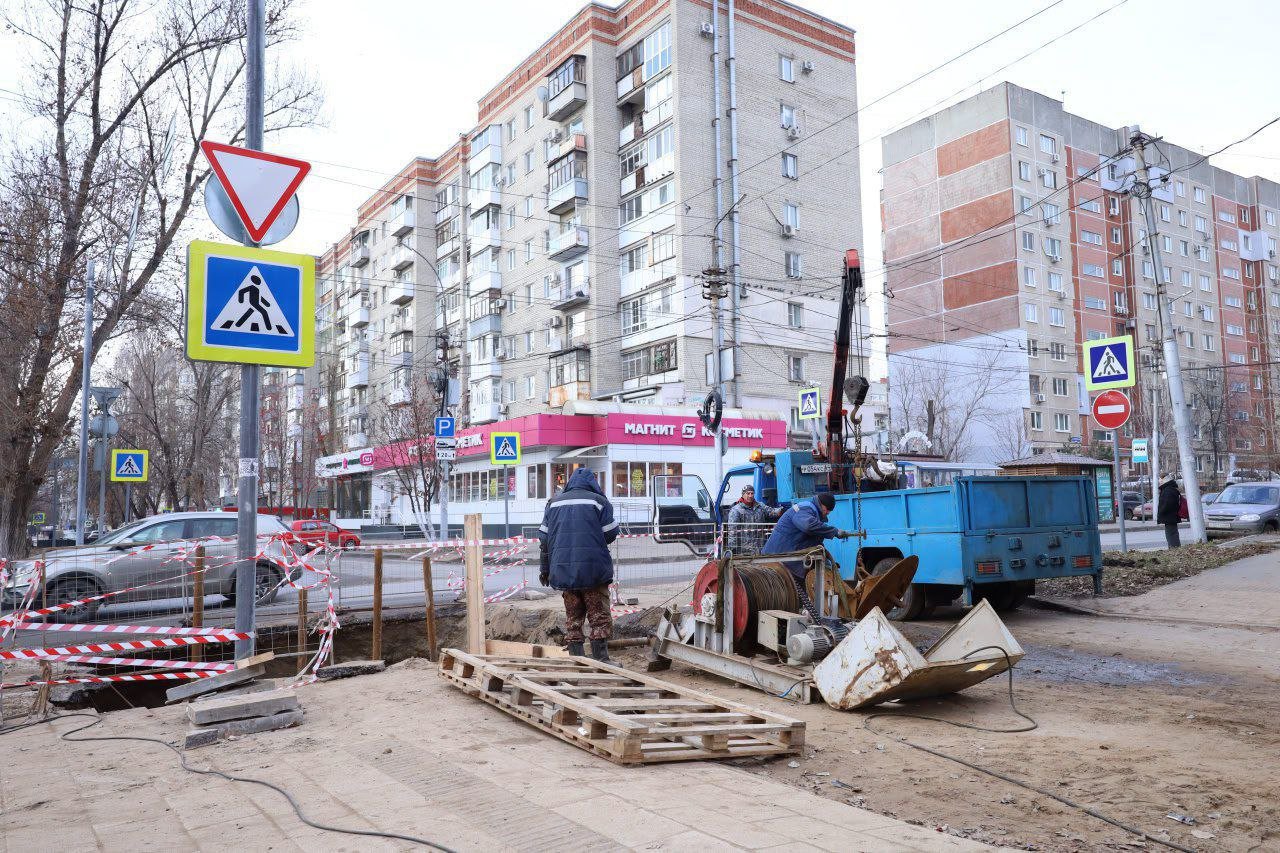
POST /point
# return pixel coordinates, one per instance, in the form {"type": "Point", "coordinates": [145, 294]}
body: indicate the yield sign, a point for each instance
{"type": "Point", "coordinates": [258, 184]}
{"type": "Point", "coordinates": [1111, 409]}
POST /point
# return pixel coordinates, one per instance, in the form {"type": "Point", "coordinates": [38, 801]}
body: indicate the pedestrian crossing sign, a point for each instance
{"type": "Point", "coordinates": [504, 448]}
{"type": "Point", "coordinates": [1108, 363]}
{"type": "Point", "coordinates": [129, 466]}
{"type": "Point", "coordinates": [810, 404]}
{"type": "Point", "coordinates": [250, 305]}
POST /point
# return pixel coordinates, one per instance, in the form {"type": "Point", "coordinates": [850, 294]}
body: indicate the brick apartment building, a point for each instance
{"type": "Point", "coordinates": [552, 256]}
{"type": "Point", "coordinates": [1010, 239]}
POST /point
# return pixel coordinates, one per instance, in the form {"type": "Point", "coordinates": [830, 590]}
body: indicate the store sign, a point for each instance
{"type": "Point", "coordinates": [683, 429]}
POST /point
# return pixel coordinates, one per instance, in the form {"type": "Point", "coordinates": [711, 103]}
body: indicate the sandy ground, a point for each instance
{"type": "Point", "coordinates": [1181, 720]}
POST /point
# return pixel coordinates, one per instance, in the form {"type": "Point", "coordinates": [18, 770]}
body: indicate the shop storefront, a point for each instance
{"type": "Point", "coordinates": [625, 450]}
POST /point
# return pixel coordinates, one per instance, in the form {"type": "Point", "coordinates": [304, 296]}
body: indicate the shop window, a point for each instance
{"type": "Point", "coordinates": [635, 479]}
{"type": "Point", "coordinates": [537, 485]}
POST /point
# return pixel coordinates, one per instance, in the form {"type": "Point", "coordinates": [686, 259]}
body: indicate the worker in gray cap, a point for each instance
{"type": "Point", "coordinates": [747, 522]}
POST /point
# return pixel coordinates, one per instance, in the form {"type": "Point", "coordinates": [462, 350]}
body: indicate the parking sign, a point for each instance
{"type": "Point", "coordinates": [446, 427]}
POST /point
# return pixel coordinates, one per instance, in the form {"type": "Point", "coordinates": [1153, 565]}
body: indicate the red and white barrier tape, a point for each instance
{"type": "Point", "coordinates": [127, 645]}
{"type": "Point", "coordinates": [123, 629]}
{"type": "Point", "coordinates": [144, 662]}
{"type": "Point", "coordinates": [446, 543]}
{"type": "Point", "coordinates": [28, 598]}
{"type": "Point", "coordinates": [504, 594]}
{"type": "Point", "coordinates": [104, 679]}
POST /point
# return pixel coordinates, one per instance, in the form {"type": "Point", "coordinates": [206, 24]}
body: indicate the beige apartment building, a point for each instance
{"type": "Point", "coordinates": [553, 258]}
{"type": "Point", "coordinates": [1010, 239]}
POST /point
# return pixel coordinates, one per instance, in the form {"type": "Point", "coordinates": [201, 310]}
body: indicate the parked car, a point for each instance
{"type": "Point", "coordinates": [313, 531]}
{"type": "Point", "coordinates": [1145, 513]}
{"type": "Point", "coordinates": [115, 562]}
{"type": "Point", "coordinates": [1245, 508]}
{"type": "Point", "coordinates": [1130, 501]}
{"type": "Point", "coordinates": [1207, 498]}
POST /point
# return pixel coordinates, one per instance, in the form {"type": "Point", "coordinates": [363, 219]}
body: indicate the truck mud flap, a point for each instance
{"type": "Point", "coordinates": [875, 663]}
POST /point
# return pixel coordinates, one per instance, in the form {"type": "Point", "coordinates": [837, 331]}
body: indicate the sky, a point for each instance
{"type": "Point", "coordinates": [401, 78]}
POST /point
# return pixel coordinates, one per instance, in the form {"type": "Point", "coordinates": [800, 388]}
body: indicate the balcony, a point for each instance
{"type": "Point", "coordinates": [489, 155]}
{"type": "Point", "coordinates": [357, 440]}
{"type": "Point", "coordinates": [448, 247]}
{"type": "Point", "coordinates": [570, 295]}
{"type": "Point", "coordinates": [399, 395]}
{"type": "Point", "coordinates": [358, 287]}
{"type": "Point", "coordinates": [567, 196]}
{"type": "Point", "coordinates": [566, 145]}
{"type": "Point", "coordinates": [401, 290]}
{"type": "Point", "coordinates": [358, 377]}
{"type": "Point", "coordinates": [561, 394]}
{"type": "Point", "coordinates": [483, 413]}
{"type": "Point", "coordinates": [568, 244]}
{"type": "Point", "coordinates": [359, 256]}
{"type": "Point", "coordinates": [402, 257]}
{"type": "Point", "coordinates": [490, 368]}
{"type": "Point", "coordinates": [631, 132]}
{"type": "Point", "coordinates": [295, 431]}
{"type": "Point", "coordinates": [399, 360]}
{"type": "Point", "coordinates": [481, 199]}
{"type": "Point", "coordinates": [404, 223]}
{"type": "Point", "coordinates": [485, 281]}
{"type": "Point", "coordinates": [446, 211]}
{"type": "Point", "coordinates": [485, 238]}
{"type": "Point", "coordinates": [297, 397]}
{"type": "Point", "coordinates": [567, 87]}
{"type": "Point", "coordinates": [358, 315]}
{"type": "Point", "coordinates": [631, 87]}
{"type": "Point", "coordinates": [485, 324]}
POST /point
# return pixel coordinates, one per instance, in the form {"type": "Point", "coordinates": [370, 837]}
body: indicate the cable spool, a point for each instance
{"type": "Point", "coordinates": [757, 587]}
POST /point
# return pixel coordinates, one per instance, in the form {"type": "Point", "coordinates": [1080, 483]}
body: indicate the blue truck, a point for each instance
{"type": "Point", "coordinates": [987, 537]}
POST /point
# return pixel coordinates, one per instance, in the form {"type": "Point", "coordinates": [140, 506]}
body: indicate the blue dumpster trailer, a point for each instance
{"type": "Point", "coordinates": [979, 537]}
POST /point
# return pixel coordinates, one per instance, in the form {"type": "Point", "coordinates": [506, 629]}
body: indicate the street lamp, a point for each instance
{"type": "Point", "coordinates": [103, 427]}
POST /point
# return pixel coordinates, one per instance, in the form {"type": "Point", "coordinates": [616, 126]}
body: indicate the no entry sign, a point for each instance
{"type": "Point", "coordinates": [1111, 409]}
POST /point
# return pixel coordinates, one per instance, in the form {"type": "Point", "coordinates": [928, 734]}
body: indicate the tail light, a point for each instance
{"type": "Point", "coordinates": [1083, 561]}
{"type": "Point", "coordinates": [989, 567]}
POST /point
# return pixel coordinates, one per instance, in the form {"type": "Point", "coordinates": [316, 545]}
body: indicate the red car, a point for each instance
{"type": "Point", "coordinates": [313, 531]}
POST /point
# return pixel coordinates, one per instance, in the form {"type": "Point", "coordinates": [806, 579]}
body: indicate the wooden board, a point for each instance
{"type": "Point", "coordinates": [626, 717]}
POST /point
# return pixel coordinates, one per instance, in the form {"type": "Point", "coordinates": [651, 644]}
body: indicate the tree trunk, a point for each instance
{"type": "Point", "coordinates": [15, 509]}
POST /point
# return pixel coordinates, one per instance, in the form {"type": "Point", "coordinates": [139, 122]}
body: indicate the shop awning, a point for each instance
{"type": "Point", "coordinates": [597, 451]}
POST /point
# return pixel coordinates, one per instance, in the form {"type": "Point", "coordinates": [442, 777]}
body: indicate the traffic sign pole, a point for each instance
{"type": "Point", "coordinates": [247, 499]}
{"type": "Point", "coordinates": [1115, 487]}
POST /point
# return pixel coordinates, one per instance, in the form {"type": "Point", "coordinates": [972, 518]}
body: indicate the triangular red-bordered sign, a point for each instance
{"type": "Point", "coordinates": [259, 184]}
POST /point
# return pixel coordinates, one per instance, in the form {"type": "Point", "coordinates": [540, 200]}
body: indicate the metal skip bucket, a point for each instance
{"type": "Point", "coordinates": [875, 663]}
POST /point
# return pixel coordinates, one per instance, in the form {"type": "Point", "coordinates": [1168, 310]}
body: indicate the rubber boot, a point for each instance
{"type": "Point", "coordinates": [600, 651]}
{"type": "Point", "coordinates": [576, 648]}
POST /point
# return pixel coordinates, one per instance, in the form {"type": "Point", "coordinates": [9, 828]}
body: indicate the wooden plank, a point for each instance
{"type": "Point", "coordinates": [429, 591]}
{"type": "Point", "coordinates": [693, 718]}
{"type": "Point", "coordinates": [654, 703]}
{"type": "Point", "coordinates": [255, 660]}
{"type": "Point", "coordinates": [528, 650]}
{"type": "Point", "coordinates": [474, 559]}
{"type": "Point", "coordinates": [375, 641]}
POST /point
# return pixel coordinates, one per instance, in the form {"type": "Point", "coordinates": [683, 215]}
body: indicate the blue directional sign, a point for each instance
{"type": "Point", "coordinates": [249, 305]}
{"type": "Point", "coordinates": [129, 466]}
{"type": "Point", "coordinates": [446, 427]}
{"type": "Point", "coordinates": [1140, 452]}
{"type": "Point", "coordinates": [1108, 363]}
{"type": "Point", "coordinates": [810, 404]}
{"type": "Point", "coordinates": [504, 448]}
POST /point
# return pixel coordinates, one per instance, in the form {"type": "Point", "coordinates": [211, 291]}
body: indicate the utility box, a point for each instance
{"type": "Point", "coordinates": [775, 627]}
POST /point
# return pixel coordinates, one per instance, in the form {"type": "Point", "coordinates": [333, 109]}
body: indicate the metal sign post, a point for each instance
{"type": "Point", "coordinates": [1111, 410]}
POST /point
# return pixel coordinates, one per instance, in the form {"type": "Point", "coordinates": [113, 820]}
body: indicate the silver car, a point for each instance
{"type": "Point", "coordinates": [116, 562]}
{"type": "Point", "coordinates": [1245, 508]}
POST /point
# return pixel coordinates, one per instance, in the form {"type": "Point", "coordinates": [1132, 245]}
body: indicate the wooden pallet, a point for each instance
{"type": "Point", "coordinates": [626, 717]}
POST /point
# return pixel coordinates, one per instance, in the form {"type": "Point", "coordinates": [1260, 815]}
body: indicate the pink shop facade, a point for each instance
{"type": "Point", "coordinates": [625, 450]}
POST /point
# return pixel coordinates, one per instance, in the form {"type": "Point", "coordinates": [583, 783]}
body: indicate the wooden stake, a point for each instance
{"type": "Point", "coordinates": [433, 648]}
{"type": "Point", "coordinates": [197, 601]}
{"type": "Point", "coordinates": [302, 629]}
{"type": "Point", "coordinates": [473, 532]}
{"type": "Point", "coordinates": [376, 652]}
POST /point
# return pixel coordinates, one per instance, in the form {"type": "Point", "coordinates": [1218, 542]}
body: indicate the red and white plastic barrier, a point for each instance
{"type": "Point", "coordinates": [105, 679]}
{"type": "Point", "coordinates": [144, 662]}
{"type": "Point", "coordinates": [127, 645]}
{"type": "Point", "coordinates": [223, 633]}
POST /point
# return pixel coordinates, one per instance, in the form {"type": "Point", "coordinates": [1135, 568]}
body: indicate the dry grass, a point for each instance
{"type": "Point", "coordinates": [1138, 571]}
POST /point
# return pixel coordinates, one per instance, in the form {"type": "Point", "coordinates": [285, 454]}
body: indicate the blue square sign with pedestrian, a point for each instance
{"type": "Point", "coordinates": [1108, 363]}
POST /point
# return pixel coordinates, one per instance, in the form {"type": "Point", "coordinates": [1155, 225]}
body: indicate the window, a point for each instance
{"type": "Point", "coordinates": [635, 258]}
{"type": "Point", "coordinates": [1189, 340]}
{"type": "Point", "coordinates": [1202, 225]}
{"type": "Point", "coordinates": [1227, 216]}
{"type": "Point", "coordinates": [1233, 329]}
{"type": "Point", "coordinates": [511, 259]}
{"type": "Point", "coordinates": [1091, 237]}
{"type": "Point", "coordinates": [1095, 303]}
{"type": "Point", "coordinates": [1058, 352]}
{"type": "Point", "coordinates": [1031, 313]}
{"type": "Point", "coordinates": [791, 264]}
{"type": "Point", "coordinates": [1049, 179]}
{"type": "Point", "coordinates": [1244, 215]}
{"type": "Point", "coordinates": [1052, 213]}
{"type": "Point", "coordinates": [1121, 301]}
{"type": "Point", "coordinates": [1113, 206]}
{"type": "Point", "coordinates": [1033, 348]}
{"type": "Point", "coordinates": [1057, 317]}
{"type": "Point", "coordinates": [1037, 421]}
{"type": "Point", "coordinates": [1231, 272]}
{"type": "Point", "coordinates": [1020, 135]}
{"type": "Point", "coordinates": [795, 368]}
{"type": "Point", "coordinates": [1150, 332]}
{"type": "Point", "coordinates": [1047, 144]}
{"type": "Point", "coordinates": [1208, 343]}
{"type": "Point", "coordinates": [1148, 269]}
{"type": "Point", "coordinates": [1117, 267]}
{"type": "Point", "coordinates": [528, 250]}
{"type": "Point", "coordinates": [528, 161]}
{"type": "Point", "coordinates": [1034, 382]}
{"type": "Point", "coordinates": [1206, 311]}
{"type": "Point", "coordinates": [1089, 204]}
{"type": "Point", "coordinates": [1059, 386]}
{"type": "Point", "coordinates": [1115, 235]}
{"type": "Point", "coordinates": [1061, 422]}
{"type": "Point", "coordinates": [657, 51]}
{"type": "Point", "coordinates": [1095, 270]}
{"type": "Point", "coordinates": [1094, 335]}
{"type": "Point", "coordinates": [1182, 218]}
{"type": "Point", "coordinates": [1232, 301]}
{"type": "Point", "coordinates": [1028, 241]}
{"type": "Point", "coordinates": [1205, 284]}
{"type": "Point", "coordinates": [1053, 247]}
{"type": "Point", "coordinates": [528, 342]}
{"type": "Point", "coordinates": [1024, 204]}
{"type": "Point", "coordinates": [1024, 170]}
{"type": "Point", "coordinates": [1198, 194]}
{"type": "Point", "coordinates": [511, 217]}
{"type": "Point", "coordinates": [1164, 213]}
{"type": "Point", "coordinates": [1055, 282]}
{"type": "Point", "coordinates": [1184, 248]}
{"type": "Point", "coordinates": [1237, 358]}
{"type": "Point", "coordinates": [790, 165]}
{"type": "Point", "coordinates": [1188, 309]}
{"type": "Point", "coordinates": [795, 315]}
{"type": "Point", "coordinates": [1230, 245]}
{"type": "Point", "coordinates": [1029, 276]}
{"type": "Point", "coordinates": [787, 115]}
{"type": "Point", "coordinates": [787, 68]}
{"type": "Point", "coordinates": [791, 214]}
{"type": "Point", "coordinates": [1270, 217]}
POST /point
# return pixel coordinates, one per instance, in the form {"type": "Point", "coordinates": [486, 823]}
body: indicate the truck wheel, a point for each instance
{"type": "Point", "coordinates": [914, 602]}
{"type": "Point", "coordinates": [1001, 595]}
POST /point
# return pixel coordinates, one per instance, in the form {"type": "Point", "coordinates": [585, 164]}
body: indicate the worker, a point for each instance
{"type": "Point", "coordinates": [802, 527]}
{"type": "Point", "coordinates": [577, 527]}
{"type": "Point", "coordinates": [746, 522]}
{"type": "Point", "coordinates": [1168, 511]}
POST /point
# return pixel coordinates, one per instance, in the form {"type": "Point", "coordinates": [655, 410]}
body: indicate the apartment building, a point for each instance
{"type": "Point", "coordinates": [553, 257]}
{"type": "Point", "coordinates": [1011, 239]}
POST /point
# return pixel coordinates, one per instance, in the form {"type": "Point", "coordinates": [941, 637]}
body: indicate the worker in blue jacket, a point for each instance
{"type": "Point", "coordinates": [802, 527]}
{"type": "Point", "coordinates": [577, 527]}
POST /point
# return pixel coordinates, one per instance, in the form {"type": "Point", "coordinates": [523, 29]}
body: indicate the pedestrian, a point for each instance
{"type": "Point", "coordinates": [577, 527]}
{"type": "Point", "coordinates": [1167, 512]}
{"type": "Point", "coordinates": [746, 522]}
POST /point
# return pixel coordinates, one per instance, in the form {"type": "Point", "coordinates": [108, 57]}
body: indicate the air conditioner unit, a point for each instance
{"type": "Point", "coordinates": [1271, 253]}
{"type": "Point", "coordinates": [503, 408]}
{"type": "Point", "coordinates": [497, 180]}
{"type": "Point", "coordinates": [1062, 297]}
{"type": "Point", "coordinates": [1039, 398]}
{"type": "Point", "coordinates": [807, 67]}
{"type": "Point", "coordinates": [557, 136]}
{"type": "Point", "coordinates": [501, 354]}
{"type": "Point", "coordinates": [1122, 311]}
{"type": "Point", "coordinates": [788, 230]}
{"type": "Point", "coordinates": [707, 29]}
{"type": "Point", "coordinates": [1054, 157]}
{"type": "Point", "coordinates": [1048, 223]}
{"type": "Point", "coordinates": [1053, 259]}
{"type": "Point", "coordinates": [499, 304]}
{"type": "Point", "coordinates": [557, 279]}
{"type": "Point", "coordinates": [793, 132]}
{"type": "Point", "coordinates": [555, 322]}
{"type": "Point", "coordinates": [1131, 323]}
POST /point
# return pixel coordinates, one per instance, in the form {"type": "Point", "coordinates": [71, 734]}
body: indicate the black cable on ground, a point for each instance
{"type": "Point", "coordinates": [182, 758]}
{"type": "Point", "coordinates": [1032, 724]}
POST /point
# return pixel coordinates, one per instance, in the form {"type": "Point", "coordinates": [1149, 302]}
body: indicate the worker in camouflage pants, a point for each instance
{"type": "Point", "coordinates": [591, 605]}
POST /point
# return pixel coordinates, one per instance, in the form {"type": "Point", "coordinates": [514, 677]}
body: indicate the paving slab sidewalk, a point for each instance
{"type": "Point", "coordinates": [404, 752]}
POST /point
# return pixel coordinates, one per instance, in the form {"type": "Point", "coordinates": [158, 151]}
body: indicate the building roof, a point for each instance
{"type": "Point", "coordinates": [1054, 458]}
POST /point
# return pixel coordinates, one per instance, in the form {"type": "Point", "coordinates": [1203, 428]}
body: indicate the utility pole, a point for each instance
{"type": "Point", "coordinates": [1173, 366]}
{"type": "Point", "coordinates": [713, 290]}
{"type": "Point", "coordinates": [442, 384]}
{"type": "Point", "coordinates": [247, 498]}
{"type": "Point", "coordinates": [464, 310]}
{"type": "Point", "coordinates": [86, 363]}
{"type": "Point", "coordinates": [1155, 439]}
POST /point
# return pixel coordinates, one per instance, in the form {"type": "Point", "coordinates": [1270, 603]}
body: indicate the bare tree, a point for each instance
{"type": "Point", "coordinates": [405, 428]}
{"type": "Point", "coordinates": [104, 80]}
{"type": "Point", "coordinates": [1012, 441]}
{"type": "Point", "coordinates": [946, 400]}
